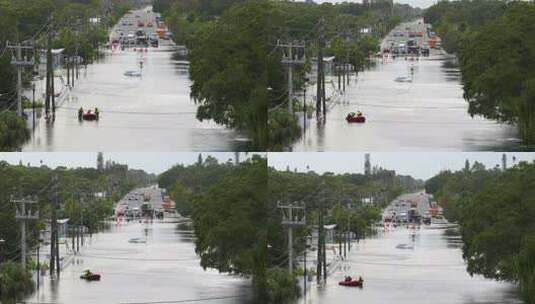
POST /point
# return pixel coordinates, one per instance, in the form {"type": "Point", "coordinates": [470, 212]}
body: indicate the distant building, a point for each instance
{"type": "Point", "coordinates": [62, 229]}
{"type": "Point", "coordinates": [367, 164]}
{"type": "Point", "coordinates": [328, 66]}
{"type": "Point", "coordinates": [330, 233]}
{"type": "Point", "coordinates": [100, 161]}
{"type": "Point", "coordinates": [57, 60]}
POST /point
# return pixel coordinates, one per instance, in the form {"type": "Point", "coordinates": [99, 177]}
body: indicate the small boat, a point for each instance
{"type": "Point", "coordinates": [403, 79]}
{"type": "Point", "coordinates": [89, 276]}
{"type": "Point", "coordinates": [355, 118]}
{"type": "Point", "coordinates": [90, 116]}
{"type": "Point", "coordinates": [404, 246]}
{"type": "Point", "coordinates": [137, 241]}
{"type": "Point", "coordinates": [351, 283]}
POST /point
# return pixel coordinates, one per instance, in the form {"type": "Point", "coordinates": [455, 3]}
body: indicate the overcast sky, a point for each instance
{"type": "Point", "coordinates": [414, 3]}
{"type": "Point", "coordinates": [150, 162]}
{"type": "Point", "coordinates": [418, 165]}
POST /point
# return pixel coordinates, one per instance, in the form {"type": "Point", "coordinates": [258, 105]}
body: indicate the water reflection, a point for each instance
{"type": "Point", "coordinates": [165, 268]}
{"type": "Point", "coordinates": [151, 112]}
{"type": "Point", "coordinates": [428, 112]}
{"type": "Point", "coordinates": [429, 270]}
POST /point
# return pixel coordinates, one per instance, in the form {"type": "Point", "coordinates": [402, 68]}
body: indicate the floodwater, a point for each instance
{"type": "Point", "coordinates": [153, 112]}
{"type": "Point", "coordinates": [431, 270]}
{"type": "Point", "coordinates": [165, 269]}
{"type": "Point", "coordinates": [428, 113]}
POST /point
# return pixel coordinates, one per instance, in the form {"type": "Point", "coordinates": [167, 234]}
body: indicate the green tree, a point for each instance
{"type": "Point", "coordinates": [15, 282]}
{"type": "Point", "coordinates": [495, 209]}
{"type": "Point", "coordinates": [13, 131]}
{"type": "Point", "coordinates": [235, 205]}
{"type": "Point", "coordinates": [232, 66]}
{"type": "Point", "coordinates": [498, 70]}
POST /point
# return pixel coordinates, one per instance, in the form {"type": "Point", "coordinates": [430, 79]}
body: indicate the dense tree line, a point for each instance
{"type": "Point", "coordinates": [495, 44]}
{"type": "Point", "coordinates": [361, 197]}
{"type": "Point", "coordinates": [452, 19]}
{"type": "Point", "coordinates": [495, 210]}
{"type": "Point", "coordinates": [185, 183]}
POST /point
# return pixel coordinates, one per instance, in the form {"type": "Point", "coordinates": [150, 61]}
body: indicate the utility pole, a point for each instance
{"type": "Point", "coordinates": [320, 247]}
{"type": "Point", "coordinates": [21, 62]}
{"type": "Point", "coordinates": [305, 105]}
{"type": "Point", "coordinates": [293, 55]}
{"type": "Point", "coordinates": [322, 260]}
{"type": "Point", "coordinates": [305, 269]}
{"type": "Point", "coordinates": [48, 74]}
{"type": "Point", "coordinates": [53, 92]}
{"type": "Point", "coordinates": [293, 215]}
{"type": "Point", "coordinates": [320, 77]}
{"type": "Point", "coordinates": [54, 243]}
{"type": "Point", "coordinates": [67, 64]}
{"type": "Point", "coordinates": [339, 74]}
{"type": "Point", "coordinates": [24, 212]}
{"type": "Point", "coordinates": [33, 106]}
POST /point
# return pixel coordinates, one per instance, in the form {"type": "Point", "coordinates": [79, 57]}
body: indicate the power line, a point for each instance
{"type": "Point", "coordinates": [189, 300]}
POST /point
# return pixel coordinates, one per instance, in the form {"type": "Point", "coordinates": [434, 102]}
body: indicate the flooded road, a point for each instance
{"type": "Point", "coordinates": [153, 112]}
{"type": "Point", "coordinates": [164, 269]}
{"type": "Point", "coordinates": [400, 268]}
{"type": "Point", "coordinates": [428, 113]}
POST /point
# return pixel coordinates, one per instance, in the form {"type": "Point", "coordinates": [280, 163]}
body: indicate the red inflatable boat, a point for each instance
{"type": "Point", "coordinates": [351, 283]}
{"type": "Point", "coordinates": [355, 118]}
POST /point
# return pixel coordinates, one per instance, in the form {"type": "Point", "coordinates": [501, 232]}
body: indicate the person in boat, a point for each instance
{"type": "Point", "coordinates": [348, 279]}
{"type": "Point", "coordinates": [89, 112]}
{"type": "Point", "coordinates": [359, 114]}
{"type": "Point", "coordinates": [80, 113]}
{"type": "Point", "coordinates": [87, 273]}
{"type": "Point", "coordinates": [360, 279]}
{"type": "Point", "coordinates": [97, 113]}
{"type": "Point", "coordinates": [350, 115]}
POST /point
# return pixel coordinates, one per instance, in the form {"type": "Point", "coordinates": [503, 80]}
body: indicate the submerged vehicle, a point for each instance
{"type": "Point", "coordinates": [403, 79]}
{"type": "Point", "coordinates": [89, 276]}
{"type": "Point", "coordinates": [132, 74]}
{"type": "Point", "coordinates": [355, 118]}
{"type": "Point", "coordinates": [137, 241]}
{"type": "Point", "coordinates": [348, 281]}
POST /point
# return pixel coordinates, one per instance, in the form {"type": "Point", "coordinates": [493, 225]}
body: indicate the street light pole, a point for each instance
{"type": "Point", "coordinates": [305, 106]}
{"type": "Point", "coordinates": [38, 262]}
{"type": "Point", "coordinates": [33, 105]}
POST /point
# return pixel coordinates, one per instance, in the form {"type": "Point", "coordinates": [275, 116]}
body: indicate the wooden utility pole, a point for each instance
{"type": "Point", "coordinates": [322, 254]}
{"type": "Point", "coordinates": [319, 258]}
{"type": "Point", "coordinates": [68, 64]}
{"type": "Point", "coordinates": [48, 74]}
{"type": "Point", "coordinates": [54, 238]}
{"type": "Point", "coordinates": [320, 92]}
{"type": "Point", "coordinates": [339, 74]}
